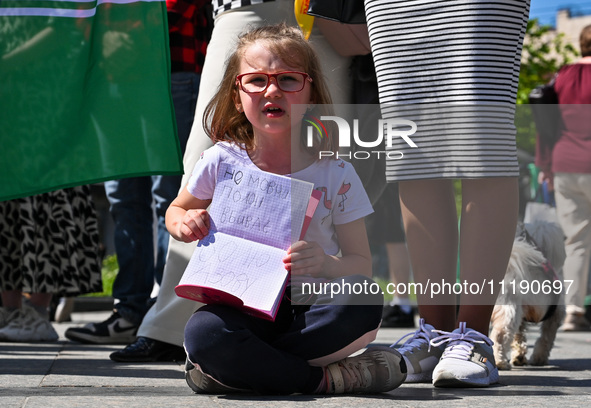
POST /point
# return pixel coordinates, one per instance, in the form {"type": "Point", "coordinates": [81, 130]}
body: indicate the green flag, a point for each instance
{"type": "Point", "coordinates": [84, 93]}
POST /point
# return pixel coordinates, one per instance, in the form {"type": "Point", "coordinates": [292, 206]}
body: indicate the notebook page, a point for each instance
{"type": "Point", "coordinates": [259, 206]}
{"type": "Point", "coordinates": [251, 271]}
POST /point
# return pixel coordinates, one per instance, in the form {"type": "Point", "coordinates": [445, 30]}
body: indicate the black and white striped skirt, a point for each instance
{"type": "Point", "coordinates": [451, 66]}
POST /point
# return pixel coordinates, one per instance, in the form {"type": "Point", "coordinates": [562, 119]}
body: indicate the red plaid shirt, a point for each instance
{"type": "Point", "coordinates": [189, 27]}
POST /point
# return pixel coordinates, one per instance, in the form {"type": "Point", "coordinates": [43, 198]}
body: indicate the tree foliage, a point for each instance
{"type": "Point", "coordinates": [544, 52]}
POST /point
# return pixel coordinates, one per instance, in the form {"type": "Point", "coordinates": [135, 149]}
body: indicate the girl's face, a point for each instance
{"type": "Point", "coordinates": [270, 111]}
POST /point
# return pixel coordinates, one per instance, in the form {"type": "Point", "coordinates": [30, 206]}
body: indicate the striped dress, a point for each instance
{"type": "Point", "coordinates": [452, 67]}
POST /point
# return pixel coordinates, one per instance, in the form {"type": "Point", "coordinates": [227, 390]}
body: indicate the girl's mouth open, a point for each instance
{"type": "Point", "coordinates": [273, 111]}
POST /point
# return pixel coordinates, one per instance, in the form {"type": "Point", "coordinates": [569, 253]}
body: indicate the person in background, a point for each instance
{"type": "Point", "coordinates": [49, 245]}
{"type": "Point", "coordinates": [565, 164]}
{"type": "Point", "coordinates": [384, 226]}
{"type": "Point", "coordinates": [132, 199]}
{"type": "Point", "coordinates": [453, 69]}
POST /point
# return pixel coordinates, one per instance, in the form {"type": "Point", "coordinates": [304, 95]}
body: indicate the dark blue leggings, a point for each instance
{"type": "Point", "coordinates": [272, 357]}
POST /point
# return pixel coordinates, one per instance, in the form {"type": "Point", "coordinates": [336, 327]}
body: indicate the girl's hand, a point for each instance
{"type": "Point", "coordinates": [194, 225]}
{"type": "Point", "coordinates": [305, 258]}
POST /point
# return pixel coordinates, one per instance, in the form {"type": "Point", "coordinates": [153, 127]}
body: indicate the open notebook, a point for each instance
{"type": "Point", "coordinates": [255, 216]}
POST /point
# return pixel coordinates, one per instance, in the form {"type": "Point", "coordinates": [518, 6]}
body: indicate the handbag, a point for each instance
{"type": "Point", "coordinates": [343, 24]}
{"type": "Point", "coordinates": [544, 94]}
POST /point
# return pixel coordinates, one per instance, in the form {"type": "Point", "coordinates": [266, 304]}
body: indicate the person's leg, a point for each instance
{"type": "Point", "coordinates": [335, 325]}
{"type": "Point", "coordinates": [488, 222]}
{"type": "Point", "coordinates": [338, 324]}
{"type": "Point", "coordinates": [166, 347]}
{"type": "Point", "coordinates": [399, 267]}
{"type": "Point", "coordinates": [489, 218]}
{"type": "Point", "coordinates": [131, 207]}
{"type": "Point", "coordinates": [573, 206]}
{"type": "Point", "coordinates": [235, 350]}
{"type": "Point", "coordinates": [290, 354]}
{"type": "Point", "coordinates": [12, 299]}
{"type": "Point", "coordinates": [430, 222]}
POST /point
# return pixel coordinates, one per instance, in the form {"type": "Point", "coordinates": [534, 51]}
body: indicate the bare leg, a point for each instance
{"type": "Point", "coordinates": [398, 265]}
{"type": "Point", "coordinates": [430, 222]}
{"type": "Point", "coordinates": [12, 299]}
{"type": "Point", "coordinates": [41, 302]}
{"type": "Point", "coordinates": [489, 218]}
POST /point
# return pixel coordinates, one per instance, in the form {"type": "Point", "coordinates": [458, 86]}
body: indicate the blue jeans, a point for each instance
{"type": "Point", "coordinates": [132, 202]}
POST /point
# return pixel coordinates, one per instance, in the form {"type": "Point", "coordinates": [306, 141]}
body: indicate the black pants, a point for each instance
{"type": "Point", "coordinates": [273, 357]}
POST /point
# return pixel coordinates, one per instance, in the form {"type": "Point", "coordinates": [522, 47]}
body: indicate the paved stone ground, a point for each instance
{"type": "Point", "coordinates": [66, 374]}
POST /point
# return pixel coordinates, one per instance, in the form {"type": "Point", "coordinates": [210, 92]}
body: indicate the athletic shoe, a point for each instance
{"type": "Point", "coordinates": [115, 330]}
{"type": "Point", "coordinates": [145, 349]}
{"type": "Point", "coordinates": [25, 325]}
{"type": "Point", "coordinates": [64, 309]}
{"type": "Point", "coordinates": [467, 361]}
{"type": "Point", "coordinates": [419, 355]}
{"type": "Point", "coordinates": [202, 383]}
{"type": "Point", "coordinates": [377, 369]}
{"type": "Point", "coordinates": [397, 316]}
{"type": "Point", "coordinates": [576, 322]}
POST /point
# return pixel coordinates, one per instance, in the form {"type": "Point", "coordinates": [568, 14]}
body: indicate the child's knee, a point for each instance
{"type": "Point", "coordinates": [201, 331]}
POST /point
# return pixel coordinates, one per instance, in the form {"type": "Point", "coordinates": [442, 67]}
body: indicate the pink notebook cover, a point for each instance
{"type": "Point", "coordinates": [312, 205]}
{"type": "Point", "coordinates": [209, 295]}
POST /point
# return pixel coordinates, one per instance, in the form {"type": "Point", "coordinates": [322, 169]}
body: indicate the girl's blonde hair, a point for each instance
{"type": "Point", "coordinates": [222, 121]}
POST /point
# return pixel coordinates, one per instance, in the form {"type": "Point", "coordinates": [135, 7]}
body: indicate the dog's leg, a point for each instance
{"type": "Point", "coordinates": [519, 346]}
{"type": "Point", "coordinates": [545, 343]}
{"type": "Point", "coordinates": [502, 334]}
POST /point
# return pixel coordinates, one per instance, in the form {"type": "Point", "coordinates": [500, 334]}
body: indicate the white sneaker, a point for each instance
{"type": "Point", "coordinates": [25, 325]}
{"type": "Point", "coordinates": [419, 355]}
{"type": "Point", "coordinates": [467, 361]}
{"type": "Point", "coordinates": [377, 369]}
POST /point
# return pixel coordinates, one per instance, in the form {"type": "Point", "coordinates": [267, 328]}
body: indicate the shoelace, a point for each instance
{"type": "Point", "coordinates": [356, 375]}
{"type": "Point", "coordinates": [419, 337]}
{"type": "Point", "coordinates": [460, 343]}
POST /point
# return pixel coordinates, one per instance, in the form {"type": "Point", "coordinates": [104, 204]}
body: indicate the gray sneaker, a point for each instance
{"type": "Point", "coordinates": [467, 361]}
{"type": "Point", "coordinates": [419, 355]}
{"type": "Point", "coordinates": [377, 369]}
{"type": "Point", "coordinates": [202, 383]}
{"type": "Point", "coordinates": [26, 325]}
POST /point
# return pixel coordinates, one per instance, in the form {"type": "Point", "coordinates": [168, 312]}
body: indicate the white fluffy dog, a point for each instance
{"type": "Point", "coordinates": [533, 293]}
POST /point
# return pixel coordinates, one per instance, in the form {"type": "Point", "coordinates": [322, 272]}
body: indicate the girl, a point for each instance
{"type": "Point", "coordinates": [305, 349]}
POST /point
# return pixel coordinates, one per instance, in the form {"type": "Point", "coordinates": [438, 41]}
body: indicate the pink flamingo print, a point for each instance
{"type": "Point", "coordinates": [343, 194]}
{"type": "Point", "coordinates": [327, 202]}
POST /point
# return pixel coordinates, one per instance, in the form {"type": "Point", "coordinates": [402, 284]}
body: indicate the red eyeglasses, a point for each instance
{"type": "Point", "coordinates": [287, 81]}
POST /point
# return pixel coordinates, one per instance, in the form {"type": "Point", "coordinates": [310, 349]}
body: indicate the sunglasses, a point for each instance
{"type": "Point", "coordinates": [287, 81]}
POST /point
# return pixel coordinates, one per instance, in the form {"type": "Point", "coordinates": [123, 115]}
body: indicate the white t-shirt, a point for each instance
{"type": "Point", "coordinates": [343, 200]}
